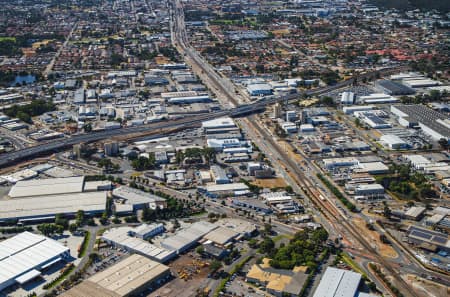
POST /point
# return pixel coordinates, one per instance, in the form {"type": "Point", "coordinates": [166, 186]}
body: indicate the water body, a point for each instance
{"type": "Point", "coordinates": [28, 79]}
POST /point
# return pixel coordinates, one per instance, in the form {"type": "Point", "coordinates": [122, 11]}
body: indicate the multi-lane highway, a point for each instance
{"type": "Point", "coordinates": [235, 109]}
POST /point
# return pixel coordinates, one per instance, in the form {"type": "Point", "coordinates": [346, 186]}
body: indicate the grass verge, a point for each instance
{"type": "Point", "coordinates": [84, 245]}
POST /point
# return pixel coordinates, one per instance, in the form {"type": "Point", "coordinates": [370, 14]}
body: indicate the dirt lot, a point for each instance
{"type": "Point", "coordinates": [277, 182]}
{"type": "Point", "coordinates": [161, 60]}
{"type": "Point", "coordinates": [185, 265]}
{"type": "Point", "coordinates": [385, 249]}
{"type": "Point", "coordinates": [427, 288]}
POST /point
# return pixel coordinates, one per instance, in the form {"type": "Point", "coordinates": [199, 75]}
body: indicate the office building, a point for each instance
{"type": "Point", "coordinates": [111, 149]}
{"type": "Point", "coordinates": [347, 98]}
{"type": "Point", "coordinates": [291, 116]}
{"type": "Point", "coordinates": [259, 89]}
{"type": "Point", "coordinates": [146, 231]}
{"type": "Point", "coordinates": [219, 175]}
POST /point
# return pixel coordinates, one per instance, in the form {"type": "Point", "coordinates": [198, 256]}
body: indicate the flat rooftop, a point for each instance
{"type": "Point", "coordinates": [395, 87]}
{"type": "Point", "coordinates": [221, 235]}
{"type": "Point", "coordinates": [21, 254]}
{"type": "Point", "coordinates": [225, 122]}
{"type": "Point", "coordinates": [121, 279]}
{"type": "Point", "coordinates": [188, 236]}
{"type": "Point", "coordinates": [226, 187]}
{"type": "Point", "coordinates": [120, 236]}
{"type": "Point", "coordinates": [48, 205]}
{"type": "Point", "coordinates": [426, 116]}
{"type": "Point", "coordinates": [135, 196]}
{"type": "Point", "coordinates": [48, 186]}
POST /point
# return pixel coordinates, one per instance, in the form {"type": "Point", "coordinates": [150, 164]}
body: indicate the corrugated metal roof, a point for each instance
{"type": "Point", "coordinates": [50, 205]}
{"type": "Point", "coordinates": [338, 283]}
{"type": "Point", "coordinates": [48, 186]}
{"type": "Point", "coordinates": [24, 252]}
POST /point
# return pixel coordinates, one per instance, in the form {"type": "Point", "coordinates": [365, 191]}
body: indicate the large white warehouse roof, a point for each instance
{"type": "Point", "coordinates": [49, 186]}
{"type": "Point", "coordinates": [225, 122]}
{"type": "Point", "coordinates": [24, 254]}
{"type": "Point", "coordinates": [41, 206]}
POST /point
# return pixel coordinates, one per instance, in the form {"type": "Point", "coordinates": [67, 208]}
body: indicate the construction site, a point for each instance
{"type": "Point", "coordinates": [190, 275]}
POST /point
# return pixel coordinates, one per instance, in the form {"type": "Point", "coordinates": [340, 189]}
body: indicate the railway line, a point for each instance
{"type": "Point", "coordinates": [329, 210]}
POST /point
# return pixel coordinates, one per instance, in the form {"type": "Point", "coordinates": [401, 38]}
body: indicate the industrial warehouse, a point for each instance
{"type": "Point", "coordinates": [433, 123]}
{"type": "Point", "coordinates": [128, 239]}
{"type": "Point", "coordinates": [129, 277]}
{"type": "Point", "coordinates": [24, 256]}
{"type": "Point", "coordinates": [41, 199]}
{"type": "Point", "coordinates": [225, 148]}
{"type": "Point", "coordinates": [339, 283]}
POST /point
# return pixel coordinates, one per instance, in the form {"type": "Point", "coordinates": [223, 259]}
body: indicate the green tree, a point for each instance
{"type": "Point", "coordinates": [253, 243]}
{"type": "Point", "coordinates": [200, 250]}
{"type": "Point", "coordinates": [73, 227]}
{"type": "Point", "coordinates": [215, 265]}
{"type": "Point", "coordinates": [49, 229]}
{"type": "Point", "coordinates": [60, 220]}
{"type": "Point", "coordinates": [327, 100]}
{"type": "Point", "coordinates": [267, 229]}
{"type": "Point", "coordinates": [87, 127]}
{"type": "Point", "coordinates": [210, 154]}
{"type": "Point", "coordinates": [105, 163]}
{"type": "Point", "coordinates": [143, 163]}
{"type": "Point", "coordinates": [443, 143]}
{"type": "Point", "coordinates": [79, 217]}
{"type": "Point", "coordinates": [104, 218]}
{"type": "Point", "coordinates": [267, 245]}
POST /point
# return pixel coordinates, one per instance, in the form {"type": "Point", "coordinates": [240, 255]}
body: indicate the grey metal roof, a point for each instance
{"type": "Point", "coordinates": [338, 283]}
{"type": "Point", "coordinates": [426, 116]}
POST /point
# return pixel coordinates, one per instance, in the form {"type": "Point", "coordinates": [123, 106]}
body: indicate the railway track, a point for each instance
{"type": "Point", "coordinates": [333, 214]}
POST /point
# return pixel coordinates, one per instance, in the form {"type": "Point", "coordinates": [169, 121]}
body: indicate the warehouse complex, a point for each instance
{"type": "Point", "coordinates": [41, 199]}
{"type": "Point", "coordinates": [41, 208]}
{"type": "Point", "coordinates": [393, 88]}
{"type": "Point", "coordinates": [24, 256]}
{"type": "Point", "coordinates": [433, 123]}
{"type": "Point", "coordinates": [188, 237]}
{"type": "Point", "coordinates": [129, 277]}
{"type": "Point", "coordinates": [128, 199]}
{"type": "Point", "coordinates": [129, 239]}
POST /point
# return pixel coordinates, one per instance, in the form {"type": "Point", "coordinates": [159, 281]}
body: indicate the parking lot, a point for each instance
{"type": "Point", "coordinates": [238, 287]}
{"type": "Point", "coordinates": [109, 256]}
